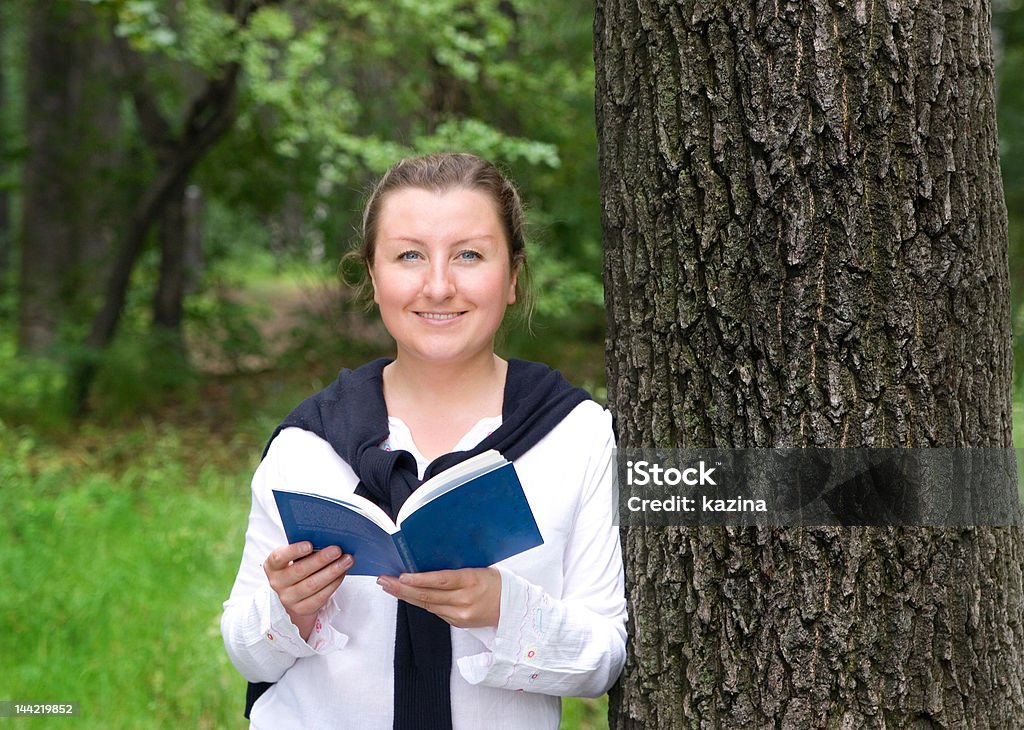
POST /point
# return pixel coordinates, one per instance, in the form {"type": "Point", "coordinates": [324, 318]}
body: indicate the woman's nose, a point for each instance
{"type": "Point", "coordinates": [440, 282]}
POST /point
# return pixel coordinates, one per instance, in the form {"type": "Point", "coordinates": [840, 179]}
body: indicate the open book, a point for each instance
{"type": "Point", "coordinates": [469, 516]}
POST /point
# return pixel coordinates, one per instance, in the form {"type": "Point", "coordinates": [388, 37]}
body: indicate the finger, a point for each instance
{"type": "Point", "coordinates": [437, 609]}
{"type": "Point", "coordinates": [307, 566]}
{"type": "Point", "coordinates": [393, 587]}
{"type": "Point", "coordinates": [454, 607]}
{"type": "Point", "coordinates": [309, 588]}
{"type": "Point", "coordinates": [282, 556]}
{"type": "Point", "coordinates": [438, 579]}
{"type": "Point", "coordinates": [318, 600]}
{"type": "Point", "coordinates": [298, 570]}
{"type": "Point", "coordinates": [469, 597]}
{"type": "Point", "coordinates": [426, 598]}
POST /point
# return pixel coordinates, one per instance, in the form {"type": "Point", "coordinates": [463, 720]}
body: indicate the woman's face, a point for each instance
{"type": "Point", "coordinates": [441, 273]}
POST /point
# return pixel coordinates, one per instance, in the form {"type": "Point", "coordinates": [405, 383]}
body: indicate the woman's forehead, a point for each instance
{"type": "Point", "coordinates": [426, 216]}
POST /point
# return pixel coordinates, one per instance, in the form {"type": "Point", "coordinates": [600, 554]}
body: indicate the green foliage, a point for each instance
{"type": "Point", "coordinates": [480, 138]}
{"type": "Point", "coordinates": [562, 288]}
{"type": "Point", "coordinates": [211, 40]}
{"type": "Point", "coordinates": [1008, 29]}
{"type": "Point", "coordinates": [337, 92]}
{"type": "Point", "coordinates": [142, 22]}
{"type": "Point", "coordinates": [31, 388]}
{"type": "Point", "coordinates": [142, 369]}
{"type": "Point", "coordinates": [225, 333]}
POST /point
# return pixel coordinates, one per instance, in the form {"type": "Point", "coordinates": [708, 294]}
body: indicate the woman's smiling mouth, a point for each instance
{"type": "Point", "coordinates": [439, 315]}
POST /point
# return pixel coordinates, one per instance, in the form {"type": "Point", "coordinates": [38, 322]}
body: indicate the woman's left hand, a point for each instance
{"type": "Point", "coordinates": [466, 598]}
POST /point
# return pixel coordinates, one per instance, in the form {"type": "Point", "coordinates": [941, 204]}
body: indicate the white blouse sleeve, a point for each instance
{"type": "Point", "coordinates": [259, 636]}
{"type": "Point", "coordinates": [574, 645]}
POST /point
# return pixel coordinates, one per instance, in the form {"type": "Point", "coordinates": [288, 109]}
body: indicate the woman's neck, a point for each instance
{"type": "Point", "coordinates": [471, 386]}
{"type": "Point", "coordinates": [440, 404]}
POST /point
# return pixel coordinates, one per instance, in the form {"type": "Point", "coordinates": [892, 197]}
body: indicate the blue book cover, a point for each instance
{"type": "Point", "coordinates": [470, 516]}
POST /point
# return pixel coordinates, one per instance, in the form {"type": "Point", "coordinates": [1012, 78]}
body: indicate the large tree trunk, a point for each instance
{"type": "Point", "coordinates": [806, 246]}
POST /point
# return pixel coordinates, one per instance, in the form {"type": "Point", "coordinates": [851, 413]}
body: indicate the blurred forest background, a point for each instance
{"type": "Point", "coordinates": [178, 181]}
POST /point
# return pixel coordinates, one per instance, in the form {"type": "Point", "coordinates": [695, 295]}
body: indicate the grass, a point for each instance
{"type": "Point", "coordinates": [584, 714]}
{"type": "Point", "coordinates": [115, 564]}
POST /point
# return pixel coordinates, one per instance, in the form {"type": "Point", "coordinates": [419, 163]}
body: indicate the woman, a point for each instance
{"type": "Point", "coordinates": [473, 648]}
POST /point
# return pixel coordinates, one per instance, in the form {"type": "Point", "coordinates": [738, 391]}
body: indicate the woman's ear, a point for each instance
{"type": "Point", "coordinates": [373, 284]}
{"type": "Point", "coordinates": [513, 283]}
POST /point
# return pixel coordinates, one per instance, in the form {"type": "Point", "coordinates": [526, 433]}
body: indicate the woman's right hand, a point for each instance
{"type": "Point", "coordinates": [304, 580]}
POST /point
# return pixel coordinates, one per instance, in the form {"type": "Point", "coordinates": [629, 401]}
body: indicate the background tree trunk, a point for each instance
{"type": "Point", "coordinates": [170, 288]}
{"type": "Point", "coordinates": [805, 245]}
{"type": "Point", "coordinates": [180, 262]}
{"type": "Point", "coordinates": [102, 188]}
{"type": "Point", "coordinates": [71, 189]}
{"type": "Point", "coordinates": [54, 54]}
{"type": "Point", "coordinates": [195, 256]}
{"type": "Point", "coordinates": [5, 155]}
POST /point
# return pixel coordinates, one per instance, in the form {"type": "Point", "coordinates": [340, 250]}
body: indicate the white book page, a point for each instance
{"type": "Point", "coordinates": [449, 479]}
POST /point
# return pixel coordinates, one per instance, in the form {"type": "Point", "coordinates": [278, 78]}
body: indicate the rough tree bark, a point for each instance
{"type": "Point", "coordinates": [806, 246]}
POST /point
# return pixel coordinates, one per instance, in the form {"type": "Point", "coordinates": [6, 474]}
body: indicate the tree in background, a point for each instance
{"type": "Point", "coordinates": [806, 247]}
{"type": "Point", "coordinates": [73, 126]}
{"type": "Point", "coordinates": [5, 156]}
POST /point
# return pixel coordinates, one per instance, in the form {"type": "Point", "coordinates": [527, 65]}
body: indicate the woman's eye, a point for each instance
{"type": "Point", "coordinates": [408, 255]}
{"type": "Point", "coordinates": [469, 255]}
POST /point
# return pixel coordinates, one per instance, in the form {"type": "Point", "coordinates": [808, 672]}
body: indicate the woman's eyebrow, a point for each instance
{"type": "Point", "coordinates": [481, 237]}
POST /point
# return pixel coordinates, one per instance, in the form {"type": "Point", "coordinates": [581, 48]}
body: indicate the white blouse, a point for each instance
{"type": "Point", "coordinates": [561, 630]}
